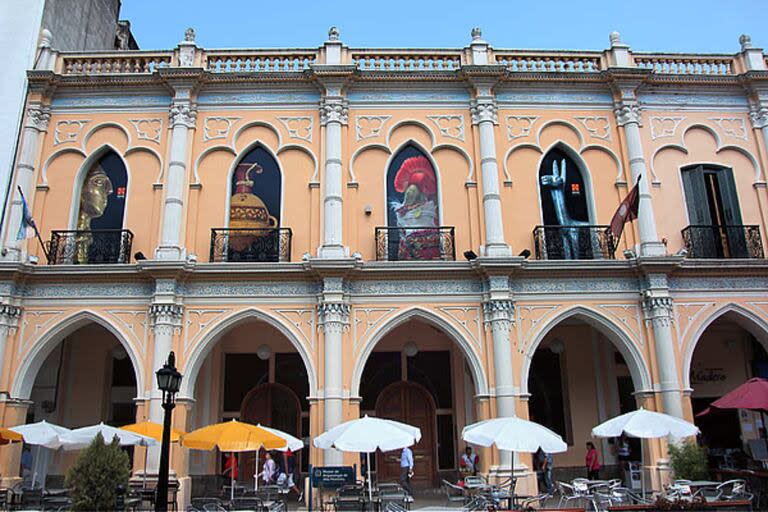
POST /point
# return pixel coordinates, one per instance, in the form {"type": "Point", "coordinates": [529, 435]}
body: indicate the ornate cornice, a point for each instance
{"type": "Point", "coordinates": [334, 110]}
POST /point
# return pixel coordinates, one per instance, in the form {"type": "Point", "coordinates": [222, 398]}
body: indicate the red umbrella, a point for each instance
{"type": "Point", "coordinates": [752, 395]}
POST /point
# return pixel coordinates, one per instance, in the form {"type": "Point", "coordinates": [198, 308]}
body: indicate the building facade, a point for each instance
{"type": "Point", "coordinates": [417, 234]}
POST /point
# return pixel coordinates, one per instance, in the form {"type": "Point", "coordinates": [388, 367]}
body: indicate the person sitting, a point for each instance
{"type": "Point", "coordinates": [469, 462]}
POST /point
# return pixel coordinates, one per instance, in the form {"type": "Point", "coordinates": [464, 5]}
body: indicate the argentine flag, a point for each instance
{"type": "Point", "coordinates": [27, 229]}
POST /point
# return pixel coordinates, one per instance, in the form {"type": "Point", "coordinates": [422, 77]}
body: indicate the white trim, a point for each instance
{"type": "Point", "coordinates": [106, 124]}
{"type": "Point", "coordinates": [413, 122]}
{"type": "Point", "coordinates": [53, 156]}
{"type": "Point", "coordinates": [264, 124]}
{"type": "Point", "coordinates": [303, 149]}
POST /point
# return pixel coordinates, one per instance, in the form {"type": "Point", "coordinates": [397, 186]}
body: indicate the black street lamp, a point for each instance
{"type": "Point", "coordinates": [169, 382]}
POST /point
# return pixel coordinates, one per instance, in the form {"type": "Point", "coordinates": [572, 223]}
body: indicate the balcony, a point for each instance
{"type": "Point", "coordinates": [250, 245]}
{"type": "Point", "coordinates": [415, 244]}
{"type": "Point", "coordinates": [725, 242]}
{"type": "Point", "coordinates": [90, 247]}
{"type": "Point", "coordinates": [573, 242]}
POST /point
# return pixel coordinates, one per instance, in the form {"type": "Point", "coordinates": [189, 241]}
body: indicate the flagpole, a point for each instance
{"type": "Point", "coordinates": [34, 226]}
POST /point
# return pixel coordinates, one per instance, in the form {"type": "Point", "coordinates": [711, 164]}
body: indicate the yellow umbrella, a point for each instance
{"type": "Point", "coordinates": [7, 436]}
{"type": "Point", "coordinates": [233, 436]}
{"type": "Point", "coordinates": [155, 431]}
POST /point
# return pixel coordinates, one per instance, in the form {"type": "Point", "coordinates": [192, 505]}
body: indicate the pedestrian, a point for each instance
{"type": "Point", "coordinates": [230, 466]}
{"type": "Point", "coordinates": [406, 469]}
{"type": "Point", "coordinates": [592, 462]}
{"type": "Point", "coordinates": [469, 461]}
{"type": "Point", "coordinates": [542, 463]}
{"type": "Point", "coordinates": [269, 470]}
{"type": "Point", "coordinates": [289, 465]}
{"type": "Point", "coordinates": [26, 464]}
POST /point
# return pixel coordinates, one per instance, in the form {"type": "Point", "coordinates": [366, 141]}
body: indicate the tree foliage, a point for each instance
{"type": "Point", "coordinates": [689, 461]}
{"type": "Point", "coordinates": [94, 478]}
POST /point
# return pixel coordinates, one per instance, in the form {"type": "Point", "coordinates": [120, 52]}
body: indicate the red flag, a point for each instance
{"type": "Point", "coordinates": [626, 211]}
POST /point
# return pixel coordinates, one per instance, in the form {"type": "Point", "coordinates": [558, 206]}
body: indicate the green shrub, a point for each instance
{"type": "Point", "coordinates": [689, 461]}
{"type": "Point", "coordinates": [94, 478]}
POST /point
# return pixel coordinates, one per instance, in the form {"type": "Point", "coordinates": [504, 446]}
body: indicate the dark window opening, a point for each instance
{"type": "Point", "coordinates": [381, 370]}
{"type": "Point", "coordinates": [545, 383]}
{"type": "Point", "coordinates": [432, 369]}
{"type": "Point", "coordinates": [291, 372]}
{"type": "Point", "coordinates": [242, 372]}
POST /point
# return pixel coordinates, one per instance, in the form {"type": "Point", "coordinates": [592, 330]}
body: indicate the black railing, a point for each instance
{"type": "Point", "coordinates": [251, 245]}
{"type": "Point", "coordinates": [90, 247]}
{"type": "Point", "coordinates": [573, 242]}
{"type": "Point", "coordinates": [711, 241]}
{"type": "Point", "coordinates": [414, 244]}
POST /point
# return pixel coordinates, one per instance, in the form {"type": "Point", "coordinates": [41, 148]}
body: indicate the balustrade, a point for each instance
{"type": "Point", "coordinates": [686, 64]}
{"type": "Point", "coordinates": [407, 60]}
{"type": "Point", "coordinates": [114, 63]}
{"type": "Point", "coordinates": [519, 61]}
{"type": "Point", "coordinates": [259, 61]}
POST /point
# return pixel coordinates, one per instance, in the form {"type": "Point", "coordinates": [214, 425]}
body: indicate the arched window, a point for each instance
{"type": "Point", "coordinates": [566, 233]}
{"type": "Point", "coordinates": [254, 209]}
{"type": "Point", "coordinates": [413, 210]}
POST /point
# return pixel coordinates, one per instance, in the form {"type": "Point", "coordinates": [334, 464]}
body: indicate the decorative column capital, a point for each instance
{"type": "Point", "coordinates": [182, 114]}
{"type": "Point", "coordinates": [759, 117]}
{"type": "Point", "coordinates": [658, 309]}
{"type": "Point", "coordinates": [9, 318]}
{"type": "Point", "coordinates": [334, 316]}
{"type": "Point", "coordinates": [166, 318]}
{"type": "Point", "coordinates": [484, 110]}
{"type": "Point", "coordinates": [627, 113]}
{"type": "Point", "coordinates": [499, 313]}
{"type": "Point", "coordinates": [38, 117]}
{"type": "Point", "coordinates": [334, 110]}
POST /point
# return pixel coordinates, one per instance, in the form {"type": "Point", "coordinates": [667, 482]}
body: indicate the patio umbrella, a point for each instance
{"type": "Point", "coordinates": [514, 434]}
{"type": "Point", "coordinates": [155, 431]}
{"type": "Point", "coordinates": [80, 438]}
{"type": "Point", "coordinates": [8, 435]}
{"type": "Point", "coordinates": [42, 435]}
{"type": "Point", "coordinates": [752, 395]}
{"type": "Point", "coordinates": [366, 435]}
{"type": "Point", "coordinates": [233, 436]}
{"type": "Point", "coordinates": [645, 424]}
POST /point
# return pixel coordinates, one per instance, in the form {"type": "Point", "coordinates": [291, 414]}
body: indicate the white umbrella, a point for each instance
{"type": "Point", "coordinates": [80, 438]}
{"type": "Point", "coordinates": [41, 434]}
{"type": "Point", "coordinates": [645, 425]}
{"type": "Point", "coordinates": [294, 444]}
{"type": "Point", "coordinates": [366, 435]}
{"type": "Point", "coordinates": [514, 434]}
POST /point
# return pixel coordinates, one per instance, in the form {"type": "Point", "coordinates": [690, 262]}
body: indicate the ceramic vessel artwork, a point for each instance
{"type": "Point", "coordinates": [247, 210]}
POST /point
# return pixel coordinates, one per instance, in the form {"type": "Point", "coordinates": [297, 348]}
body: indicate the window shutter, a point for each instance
{"type": "Point", "coordinates": [696, 196]}
{"type": "Point", "coordinates": [727, 185]}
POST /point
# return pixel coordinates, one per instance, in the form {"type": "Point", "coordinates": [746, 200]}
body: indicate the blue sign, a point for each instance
{"type": "Point", "coordinates": [332, 477]}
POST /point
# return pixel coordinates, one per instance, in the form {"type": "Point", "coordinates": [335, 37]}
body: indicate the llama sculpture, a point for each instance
{"type": "Point", "coordinates": [569, 228]}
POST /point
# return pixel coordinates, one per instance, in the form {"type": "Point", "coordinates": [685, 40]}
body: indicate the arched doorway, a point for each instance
{"type": "Point", "coordinates": [274, 405]}
{"type": "Point", "coordinates": [410, 403]}
{"type": "Point", "coordinates": [729, 351]}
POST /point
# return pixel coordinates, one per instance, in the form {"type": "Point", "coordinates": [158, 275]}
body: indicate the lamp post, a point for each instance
{"type": "Point", "coordinates": [168, 381]}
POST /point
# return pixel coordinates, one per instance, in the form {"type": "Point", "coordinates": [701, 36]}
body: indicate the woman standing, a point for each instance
{"type": "Point", "coordinates": [592, 462]}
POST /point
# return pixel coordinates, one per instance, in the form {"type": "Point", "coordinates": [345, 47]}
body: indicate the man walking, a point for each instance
{"type": "Point", "coordinates": [406, 469]}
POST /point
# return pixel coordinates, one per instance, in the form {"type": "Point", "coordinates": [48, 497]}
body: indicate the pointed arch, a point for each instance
{"type": "Point", "coordinates": [242, 155]}
{"type": "Point", "coordinates": [745, 318]}
{"type": "Point", "coordinates": [33, 360]}
{"type": "Point", "coordinates": [94, 158]}
{"type": "Point", "coordinates": [581, 166]}
{"type": "Point", "coordinates": [194, 361]}
{"type": "Point", "coordinates": [416, 312]}
{"type": "Point", "coordinates": [638, 368]}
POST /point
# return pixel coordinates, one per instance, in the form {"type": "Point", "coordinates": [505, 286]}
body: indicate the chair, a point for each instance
{"type": "Point", "coordinates": [578, 491]}
{"type": "Point", "coordinates": [727, 491]}
{"type": "Point", "coordinates": [31, 499]}
{"type": "Point", "coordinates": [206, 505]}
{"type": "Point", "coordinates": [349, 503]}
{"type": "Point", "coordinates": [247, 503]}
{"type": "Point", "coordinates": [475, 481]}
{"type": "Point", "coordinates": [453, 492]}
{"type": "Point", "coordinates": [395, 495]}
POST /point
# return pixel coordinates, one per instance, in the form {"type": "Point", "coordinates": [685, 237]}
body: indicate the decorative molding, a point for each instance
{"type": "Point", "coordinates": [365, 319]}
{"type": "Point", "coordinates": [574, 285]}
{"type": "Point", "coordinates": [628, 315]}
{"type": "Point", "coordinates": [597, 126]}
{"type": "Point", "coordinates": [39, 320]}
{"type": "Point", "coordinates": [38, 118]}
{"type": "Point", "coordinates": [450, 125]}
{"type": "Point", "coordinates": [298, 127]}
{"type": "Point", "coordinates": [731, 126]}
{"type": "Point", "coordinates": [484, 110]}
{"type": "Point", "coordinates": [334, 110]}
{"type": "Point", "coordinates": [686, 315]}
{"type": "Point", "coordinates": [68, 131]}
{"type": "Point", "coordinates": [628, 113]}
{"type": "Point", "coordinates": [250, 290]}
{"type": "Point", "coordinates": [85, 290]}
{"type": "Point", "coordinates": [706, 284]}
{"type": "Point", "coordinates": [466, 316]}
{"type": "Point", "coordinates": [664, 126]}
{"type": "Point", "coordinates": [368, 127]}
{"type": "Point", "coordinates": [182, 114]}
{"type": "Point", "coordinates": [303, 319]}
{"type": "Point", "coordinates": [148, 129]}
{"type": "Point", "coordinates": [135, 322]}
{"type": "Point", "coordinates": [417, 287]}
{"type": "Point", "coordinates": [528, 317]}
{"type": "Point", "coordinates": [217, 127]}
{"type": "Point", "coordinates": [197, 320]}
{"type": "Point", "coordinates": [522, 123]}
{"type": "Point", "coordinates": [759, 117]}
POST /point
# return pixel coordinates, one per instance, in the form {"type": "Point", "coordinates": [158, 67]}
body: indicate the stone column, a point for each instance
{"type": "Point", "coordinates": [334, 319]}
{"type": "Point", "coordinates": [627, 113]}
{"type": "Point", "coordinates": [182, 117]}
{"type": "Point", "coordinates": [484, 115]}
{"type": "Point", "coordinates": [499, 316]}
{"type": "Point", "coordinates": [166, 320]}
{"type": "Point", "coordinates": [657, 305]}
{"type": "Point", "coordinates": [9, 319]}
{"type": "Point", "coordinates": [35, 125]}
{"type": "Point", "coordinates": [334, 113]}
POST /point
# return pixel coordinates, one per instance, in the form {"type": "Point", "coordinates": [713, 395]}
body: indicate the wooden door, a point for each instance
{"type": "Point", "coordinates": [272, 405]}
{"type": "Point", "coordinates": [409, 403]}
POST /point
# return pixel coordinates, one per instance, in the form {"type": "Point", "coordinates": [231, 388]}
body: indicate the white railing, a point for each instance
{"type": "Point", "coordinates": [686, 64]}
{"type": "Point", "coordinates": [555, 62]}
{"type": "Point", "coordinates": [407, 60]}
{"type": "Point", "coordinates": [114, 62]}
{"type": "Point", "coordinates": [249, 61]}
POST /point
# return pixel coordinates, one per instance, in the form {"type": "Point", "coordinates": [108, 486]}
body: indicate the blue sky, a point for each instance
{"type": "Point", "coordinates": [659, 25]}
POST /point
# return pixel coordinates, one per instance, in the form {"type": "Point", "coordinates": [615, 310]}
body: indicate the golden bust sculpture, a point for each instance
{"type": "Point", "coordinates": [93, 201]}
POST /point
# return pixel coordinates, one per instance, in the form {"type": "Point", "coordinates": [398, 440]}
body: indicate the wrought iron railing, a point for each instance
{"type": "Point", "coordinates": [250, 245]}
{"type": "Point", "coordinates": [712, 241]}
{"type": "Point", "coordinates": [414, 244]}
{"type": "Point", "coordinates": [90, 247]}
{"type": "Point", "coordinates": [573, 242]}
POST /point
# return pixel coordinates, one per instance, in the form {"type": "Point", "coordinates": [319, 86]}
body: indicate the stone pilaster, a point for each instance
{"type": "Point", "coordinates": [9, 320]}
{"type": "Point", "coordinates": [35, 126]}
{"type": "Point", "coordinates": [333, 321]}
{"type": "Point", "coordinates": [182, 117]}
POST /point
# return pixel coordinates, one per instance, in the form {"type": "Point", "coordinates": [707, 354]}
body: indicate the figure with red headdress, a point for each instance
{"type": "Point", "coordinates": [417, 215]}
